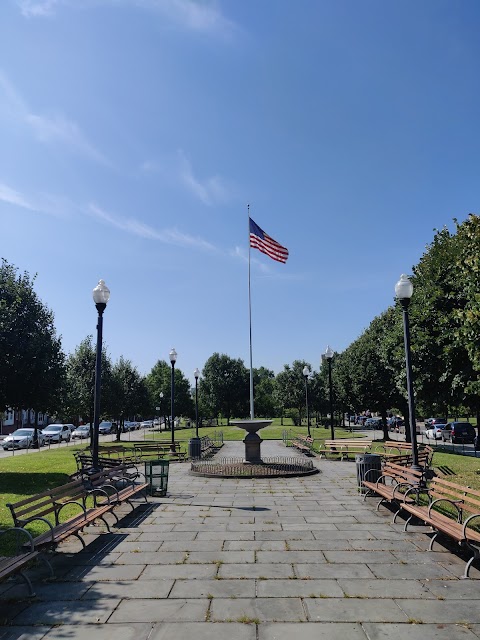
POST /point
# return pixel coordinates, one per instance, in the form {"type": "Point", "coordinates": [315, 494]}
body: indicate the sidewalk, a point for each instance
{"type": "Point", "coordinates": [227, 559]}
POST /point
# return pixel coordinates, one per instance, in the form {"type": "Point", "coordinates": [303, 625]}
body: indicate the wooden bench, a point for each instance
{"type": "Point", "coordinates": [402, 454]}
{"type": "Point", "coordinates": [47, 507]}
{"type": "Point", "coordinates": [10, 565]}
{"type": "Point", "coordinates": [84, 463]}
{"type": "Point", "coordinates": [345, 447]}
{"type": "Point", "coordinates": [118, 484]}
{"type": "Point", "coordinates": [159, 450]}
{"type": "Point", "coordinates": [303, 444]}
{"type": "Point", "coordinates": [394, 486]}
{"type": "Point", "coordinates": [450, 511]}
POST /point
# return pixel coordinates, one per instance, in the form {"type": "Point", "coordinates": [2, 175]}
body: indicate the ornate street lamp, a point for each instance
{"type": "Point", "coordinates": [306, 373]}
{"type": "Point", "coordinates": [173, 359]}
{"type": "Point", "coordinates": [328, 356]}
{"type": "Point", "coordinates": [403, 293]}
{"type": "Point", "coordinates": [195, 444]}
{"type": "Point", "coordinates": [101, 295]}
{"type": "Point", "coordinates": [196, 373]}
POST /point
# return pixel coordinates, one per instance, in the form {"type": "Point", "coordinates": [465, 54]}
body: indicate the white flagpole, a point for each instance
{"type": "Point", "coordinates": [252, 412]}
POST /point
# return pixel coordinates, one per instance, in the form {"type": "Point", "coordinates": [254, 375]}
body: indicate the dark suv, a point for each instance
{"type": "Point", "coordinates": [459, 432]}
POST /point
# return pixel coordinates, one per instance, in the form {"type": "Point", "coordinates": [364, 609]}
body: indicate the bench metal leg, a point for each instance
{"type": "Point", "coordinates": [475, 556]}
{"type": "Point", "coordinates": [31, 592]}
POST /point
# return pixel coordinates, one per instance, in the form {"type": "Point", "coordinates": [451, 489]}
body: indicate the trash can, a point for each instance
{"type": "Point", "coordinates": [195, 448]}
{"type": "Point", "coordinates": [156, 474]}
{"type": "Point", "coordinates": [368, 462]}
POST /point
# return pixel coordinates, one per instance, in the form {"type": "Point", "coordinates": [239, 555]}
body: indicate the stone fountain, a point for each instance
{"type": "Point", "coordinates": [253, 465]}
{"type": "Point", "coordinates": [252, 439]}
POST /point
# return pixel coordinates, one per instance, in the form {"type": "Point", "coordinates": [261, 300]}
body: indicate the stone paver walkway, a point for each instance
{"type": "Point", "coordinates": [259, 559]}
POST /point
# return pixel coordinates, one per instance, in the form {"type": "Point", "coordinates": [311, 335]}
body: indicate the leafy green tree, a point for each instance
{"type": "Point", "coordinates": [31, 357]}
{"type": "Point", "coordinates": [78, 398]}
{"type": "Point", "coordinates": [129, 394]}
{"type": "Point", "coordinates": [159, 380]}
{"type": "Point", "coordinates": [291, 387]}
{"type": "Point", "coordinates": [224, 386]}
{"type": "Point", "coordinates": [264, 398]}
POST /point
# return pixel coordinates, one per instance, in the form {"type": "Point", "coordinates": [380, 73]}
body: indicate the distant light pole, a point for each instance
{"type": "Point", "coordinates": [161, 405]}
{"type": "Point", "coordinates": [196, 373]}
{"type": "Point", "coordinates": [306, 372]}
{"type": "Point", "coordinates": [173, 359]}
{"type": "Point", "coordinates": [101, 295]}
{"type": "Point", "coordinates": [329, 355]}
{"type": "Point", "coordinates": [195, 444]}
{"type": "Point", "coordinates": [403, 293]}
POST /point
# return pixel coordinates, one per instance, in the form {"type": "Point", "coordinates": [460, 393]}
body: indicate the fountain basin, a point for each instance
{"type": "Point", "coordinates": [252, 439]}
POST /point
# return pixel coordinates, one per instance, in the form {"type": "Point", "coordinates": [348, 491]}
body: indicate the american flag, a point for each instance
{"type": "Point", "coordinates": [267, 245]}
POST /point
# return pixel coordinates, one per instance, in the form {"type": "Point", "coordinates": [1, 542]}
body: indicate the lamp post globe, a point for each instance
{"type": "Point", "coordinates": [306, 373]}
{"type": "Point", "coordinates": [101, 296]}
{"type": "Point", "coordinates": [403, 293]}
{"type": "Point", "coordinates": [173, 358]}
{"type": "Point", "coordinates": [328, 356]}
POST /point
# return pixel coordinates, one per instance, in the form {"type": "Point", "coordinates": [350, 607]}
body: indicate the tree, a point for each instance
{"type": "Point", "coordinates": [159, 380]}
{"type": "Point", "coordinates": [31, 357]}
{"type": "Point", "coordinates": [291, 387]}
{"type": "Point", "coordinates": [129, 393]}
{"type": "Point", "coordinates": [264, 385]}
{"type": "Point", "coordinates": [224, 386]}
{"type": "Point", "coordinates": [80, 383]}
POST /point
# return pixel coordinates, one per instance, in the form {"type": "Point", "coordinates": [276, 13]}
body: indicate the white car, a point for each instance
{"type": "Point", "coordinates": [83, 431]}
{"type": "Point", "coordinates": [22, 439]}
{"type": "Point", "coordinates": [435, 432]}
{"type": "Point", "coordinates": [58, 432]}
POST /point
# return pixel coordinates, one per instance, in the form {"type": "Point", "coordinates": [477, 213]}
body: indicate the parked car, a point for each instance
{"type": "Point", "coordinates": [58, 432]}
{"type": "Point", "coordinates": [435, 431]}
{"type": "Point", "coordinates": [430, 422]}
{"type": "Point", "coordinates": [146, 424]}
{"type": "Point", "coordinates": [373, 423]}
{"type": "Point", "coordinates": [105, 427]}
{"type": "Point", "coordinates": [83, 431]}
{"type": "Point", "coordinates": [459, 432]}
{"type": "Point", "coordinates": [22, 439]}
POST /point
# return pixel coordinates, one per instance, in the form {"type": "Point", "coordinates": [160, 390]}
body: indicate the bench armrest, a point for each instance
{"type": "Point", "coordinates": [20, 530]}
{"type": "Point", "coordinates": [60, 506]}
{"type": "Point", "coordinates": [467, 521]}
{"type": "Point", "coordinates": [452, 502]}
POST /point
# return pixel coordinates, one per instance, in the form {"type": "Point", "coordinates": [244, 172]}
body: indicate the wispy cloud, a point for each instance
{"type": "Point", "coordinates": [201, 16]}
{"type": "Point", "coordinates": [137, 228]}
{"type": "Point", "coordinates": [196, 15]}
{"type": "Point", "coordinates": [36, 8]}
{"type": "Point", "coordinates": [10, 196]}
{"type": "Point", "coordinates": [210, 190]}
{"type": "Point", "coordinates": [41, 203]}
{"type": "Point", "coordinates": [47, 129]}
{"type": "Point", "coordinates": [59, 129]}
{"type": "Point", "coordinates": [178, 170]}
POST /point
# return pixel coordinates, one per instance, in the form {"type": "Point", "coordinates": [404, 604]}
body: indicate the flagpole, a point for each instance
{"type": "Point", "coordinates": [252, 412]}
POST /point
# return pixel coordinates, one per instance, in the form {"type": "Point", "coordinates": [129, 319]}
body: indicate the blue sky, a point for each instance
{"type": "Point", "coordinates": [135, 132]}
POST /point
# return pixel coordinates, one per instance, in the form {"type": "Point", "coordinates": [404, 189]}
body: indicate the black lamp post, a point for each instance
{"type": "Point", "coordinates": [101, 295]}
{"type": "Point", "coordinates": [195, 444]}
{"type": "Point", "coordinates": [173, 359]}
{"type": "Point", "coordinates": [403, 293]}
{"type": "Point", "coordinates": [196, 373]}
{"type": "Point", "coordinates": [328, 357]}
{"type": "Point", "coordinates": [306, 372]}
